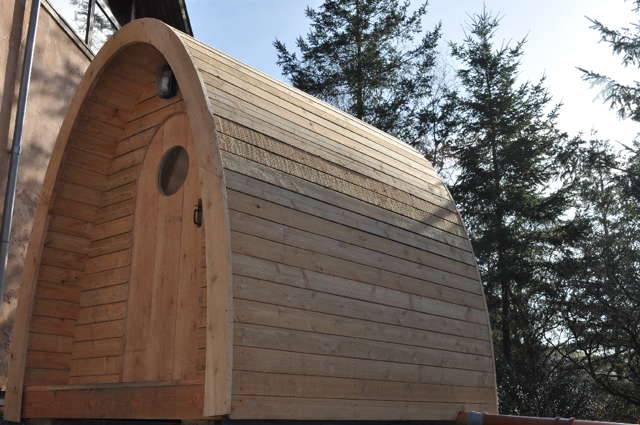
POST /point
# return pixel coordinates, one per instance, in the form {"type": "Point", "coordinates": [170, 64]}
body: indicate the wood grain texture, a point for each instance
{"type": "Point", "coordinates": [332, 278]}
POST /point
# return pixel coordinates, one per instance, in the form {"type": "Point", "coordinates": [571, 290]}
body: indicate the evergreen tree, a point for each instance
{"type": "Point", "coordinates": [625, 42]}
{"type": "Point", "coordinates": [601, 275]}
{"type": "Point", "coordinates": [372, 59]}
{"type": "Point", "coordinates": [509, 153]}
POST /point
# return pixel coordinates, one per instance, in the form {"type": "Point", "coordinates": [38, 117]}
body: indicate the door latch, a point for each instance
{"type": "Point", "coordinates": [197, 213]}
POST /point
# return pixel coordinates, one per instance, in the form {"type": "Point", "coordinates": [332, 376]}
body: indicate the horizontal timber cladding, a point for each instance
{"type": "Point", "coordinates": [310, 267]}
{"type": "Point", "coordinates": [356, 293]}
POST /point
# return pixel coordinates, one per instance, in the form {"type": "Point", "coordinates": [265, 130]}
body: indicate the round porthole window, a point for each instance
{"type": "Point", "coordinates": [173, 170]}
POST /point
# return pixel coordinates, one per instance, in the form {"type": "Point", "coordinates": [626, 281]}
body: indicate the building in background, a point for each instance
{"type": "Point", "coordinates": [69, 34]}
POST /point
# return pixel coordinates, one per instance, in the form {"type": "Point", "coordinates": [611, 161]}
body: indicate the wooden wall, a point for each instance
{"type": "Point", "coordinates": [58, 66]}
{"type": "Point", "coordinates": [78, 322]}
{"type": "Point", "coordinates": [356, 293]}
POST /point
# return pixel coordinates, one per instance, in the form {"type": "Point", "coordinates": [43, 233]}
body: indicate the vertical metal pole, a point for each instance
{"type": "Point", "coordinates": [12, 178]}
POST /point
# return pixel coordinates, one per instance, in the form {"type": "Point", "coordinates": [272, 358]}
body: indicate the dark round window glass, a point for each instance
{"type": "Point", "coordinates": [173, 170]}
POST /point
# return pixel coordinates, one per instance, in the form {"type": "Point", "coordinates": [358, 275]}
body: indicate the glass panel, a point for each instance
{"type": "Point", "coordinates": [101, 29]}
{"type": "Point", "coordinates": [74, 13]}
{"type": "Point", "coordinates": [173, 170]}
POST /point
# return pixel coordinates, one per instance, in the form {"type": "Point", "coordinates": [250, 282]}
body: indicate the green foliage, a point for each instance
{"type": "Point", "coordinates": [372, 59]}
{"type": "Point", "coordinates": [625, 42]}
{"type": "Point", "coordinates": [509, 152]}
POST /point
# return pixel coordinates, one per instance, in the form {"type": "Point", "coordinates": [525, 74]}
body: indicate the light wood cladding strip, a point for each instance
{"type": "Point", "coordinates": [119, 194]}
{"type": "Point", "coordinates": [101, 330]}
{"type": "Point", "coordinates": [93, 380]}
{"type": "Point", "coordinates": [114, 212]}
{"type": "Point", "coordinates": [135, 141]}
{"type": "Point", "coordinates": [112, 228]}
{"type": "Point", "coordinates": [311, 301]}
{"type": "Point", "coordinates": [102, 313]}
{"type": "Point", "coordinates": [58, 291]}
{"type": "Point", "coordinates": [35, 376]}
{"type": "Point", "coordinates": [50, 343]}
{"type": "Point", "coordinates": [73, 209]}
{"type": "Point", "coordinates": [96, 366]}
{"type": "Point", "coordinates": [318, 192]}
{"type": "Point", "coordinates": [314, 157]}
{"type": "Point", "coordinates": [291, 408]}
{"type": "Point", "coordinates": [86, 160]}
{"type": "Point", "coordinates": [55, 308]}
{"type": "Point", "coordinates": [110, 245]}
{"type": "Point", "coordinates": [66, 242]}
{"type": "Point", "coordinates": [312, 319]}
{"type": "Point", "coordinates": [291, 363]}
{"type": "Point", "coordinates": [108, 261]}
{"type": "Point", "coordinates": [315, 343]}
{"type": "Point", "coordinates": [64, 259]}
{"type": "Point", "coordinates": [268, 384]}
{"type": "Point", "coordinates": [152, 119]}
{"type": "Point", "coordinates": [290, 199]}
{"type": "Point", "coordinates": [218, 75]}
{"type": "Point", "coordinates": [83, 177]}
{"type": "Point", "coordinates": [431, 215]}
{"type": "Point", "coordinates": [211, 59]}
{"type": "Point", "coordinates": [333, 152]}
{"type": "Point", "coordinates": [252, 246]}
{"type": "Point", "coordinates": [101, 296]}
{"type": "Point", "coordinates": [69, 226]}
{"type": "Point", "coordinates": [56, 274]}
{"type": "Point", "coordinates": [264, 121]}
{"type": "Point", "coordinates": [241, 222]}
{"type": "Point", "coordinates": [105, 278]}
{"type": "Point", "coordinates": [424, 297]}
{"type": "Point", "coordinates": [48, 360]}
{"type": "Point", "coordinates": [51, 325]}
{"type": "Point", "coordinates": [293, 218]}
{"type": "Point", "coordinates": [101, 348]}
{"type": "Point", "coordinates": [127, 160]}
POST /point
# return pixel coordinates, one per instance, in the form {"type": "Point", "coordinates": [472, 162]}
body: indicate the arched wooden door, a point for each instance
{"type": "Point", "coordinates": [163, 307]}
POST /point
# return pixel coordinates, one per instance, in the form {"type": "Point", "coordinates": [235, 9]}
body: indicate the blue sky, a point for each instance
{"type": "Point", "coordinates": [557, 32]}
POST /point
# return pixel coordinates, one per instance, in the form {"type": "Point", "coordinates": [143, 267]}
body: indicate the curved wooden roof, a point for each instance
{"type": "Point", "coordinates": [340, 282]}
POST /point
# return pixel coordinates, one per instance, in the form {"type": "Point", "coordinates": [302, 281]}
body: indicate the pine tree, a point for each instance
{"type": "Point", "coordinates": [625, 42]}
{"type": "Point", "coordinates": [509, 152]}
{"type": "Point", "coordinates": [372, 59]}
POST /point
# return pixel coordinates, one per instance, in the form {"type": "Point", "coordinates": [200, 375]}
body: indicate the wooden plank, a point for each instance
{"type": "Point", "coordinates": [110, 245]}
{"type": "Point", "coordinates": [330, 181]}
{"type": "Point", "coordinates": [281, 196]}
{"type": "Point", "coordinates": [108, 261]}
{"type": "Point", "coordinates": [307, 222]}
{"type": "Point", "coordinates": [119, 194]}
{"type": "Point", "coordinates": [459, 304]}
{"type": "Point", "coordinates": [105, 278]}
{"type": "Point", "coordinates": [63, 259]}
{"type": "Point", "coordinates": [260, 407]}
{"type": "Point", "coordinates": [94, 379]}
{"type": "Point", "coordinates": [112, 228]}
{"type": "Point", "coordinates": [314, 157]}
{"type": "Point", "coordinates": [50, 343]}
{"type": "Point", "coordinates": [151, 402]}
{"type": "Point", "coordinates": [100, 348]}
{"type": "Point", "coordinates": [52, 325]}
{"type": "Point", "coordinates": [316, 343]}
{"type": "Point", "coordinates": [126, 160]}
{"type": "Point", "coordinates": [102, 313]}
{"type": "Point", "coordinates": [55, 308]}
{"type": "Point", "coordinates": [87, 161]}
{"type": "Point", "coordinates": [320, 193]}
{"type": "Point", "coordinates": [114, 212]}
{"type": "Point", "coordinates": [58, 291]}
{"type": "Point", "coordinates": [102, 330]}
{"type": "Point", "coordinates": [48, 360]}
{"type": "Point", "coordinates": [73, 209]}
{"type": "Point", "coordinates": [65, 242]}
{"type": "Point", "coordinates": [35, 376]}
{"type": "Point", "coordinates": [309, 319]}
{"type": "Point", "coordinates": [283, 254]}
{"type": "Point", "coordinates": [135, 142]}
{"type": "Point", "coordinates": [291, 363]}
{"type": "Point", "coordinates": [83, 177]}
{"type": "Point", "coordinates": [296, 386]}
{"type": "Point", "coordinates": [225, 67]}
{"type": "Point", "coordinates": [96, 366]}
{"type": "Point", "coordinates": [101, 296]}
{"type": "Point", "coordinates": [69, 226]}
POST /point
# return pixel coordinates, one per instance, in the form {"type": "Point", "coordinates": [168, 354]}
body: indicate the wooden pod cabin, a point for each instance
{"type": "Point", "coordinates": [240, 249]}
